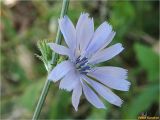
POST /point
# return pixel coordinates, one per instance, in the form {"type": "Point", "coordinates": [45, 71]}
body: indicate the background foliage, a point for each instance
{"type": "Point", "coordinates": [23, 23]}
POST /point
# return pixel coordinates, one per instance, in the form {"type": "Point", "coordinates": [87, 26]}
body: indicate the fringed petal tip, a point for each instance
{"type": "Point", "coordinates": [62, 18]}
{"type": "Point", "coordinates": [84, 14]}
{"type": "Point", "coordinates": [118, 102]}
{"type": "Point", "coordinates": [129, 84]}
{"type": "Point", "coordinates": [68, 90]}
{"type": "Point", "coordinates": [65, 88]}
{"type": "Point", "coordinates": [125, 86]}
{"type": "Point", "coordinates": [125, 74]}
{"type": "Point", "coordinates": [108, 26]}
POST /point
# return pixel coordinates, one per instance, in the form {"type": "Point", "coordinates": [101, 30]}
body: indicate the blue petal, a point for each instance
{"type": "Point", "coordinates": [117, 72]}
{"type": "Point", "coordinates": [84, 31]}
{"type": "Point", "coordinates": [77, 92]}
{"type": "Point", "coordinates": [116, 81]}
{"type": "Point", "coordinates": [106, 54]}
{"type": "Point", "coordinates": [109, 39]}
{"type": "Point", "coordinates": [61, 50]}
{"type": "Point", "coordinates": [68, 31]}
{"type": "Point", "coordinates": [91, 96]}
{"type": "Point", "coordinates": [69, 81]}
{"type": "Point", "coordinates": [105, 92]}
{"type": "Point", "coordinates": [99, 38]}
{"type": "Point", "coordinates": [60, 70]}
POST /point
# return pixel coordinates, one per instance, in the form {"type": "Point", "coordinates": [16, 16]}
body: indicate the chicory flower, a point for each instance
{"type": "Point", "coordinates": [87, 48]}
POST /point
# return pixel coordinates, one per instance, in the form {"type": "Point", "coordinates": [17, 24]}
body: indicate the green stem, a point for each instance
{"type": "Point", "coordinates": [47, 83]}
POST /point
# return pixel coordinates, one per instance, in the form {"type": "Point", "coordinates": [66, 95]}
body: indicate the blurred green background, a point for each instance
{"type": "Point", "coordinates": [23, 23]}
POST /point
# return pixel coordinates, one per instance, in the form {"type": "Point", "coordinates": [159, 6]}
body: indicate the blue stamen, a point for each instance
{"type": "Point", "coordinates": [82, 65]}
{"type": "Point", "coordinates": [83, 59]}
{"type": "Point", "coordinates": [85, 68]}
{"type": "Point", "coordinates": [84, 72]}
{"type": "Point", "coordinates": [78, 59]}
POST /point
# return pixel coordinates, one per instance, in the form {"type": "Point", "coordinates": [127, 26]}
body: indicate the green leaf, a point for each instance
{"type": "Point", "coordinates": [29, 98]}
{"type": "Point", "coordinates": [60, 107]}
{"type": "Point", "coordinates": [122, 16]}
{"type": "Point", "coordinates": [99, 113]}
{"type": "Point", "coordinates": [148, 60]}
{"type": "Point", "coordinates": [8, 24]}
{"type": "Point", "coordinates": [141, 102]}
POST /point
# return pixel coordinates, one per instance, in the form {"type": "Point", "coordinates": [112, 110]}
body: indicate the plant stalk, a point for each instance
{"type": "Point", "coordinates": [55, 56]}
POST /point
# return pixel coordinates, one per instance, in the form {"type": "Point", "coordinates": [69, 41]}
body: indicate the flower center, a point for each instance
{"type": "Point", "coordinates": [82, 65]}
